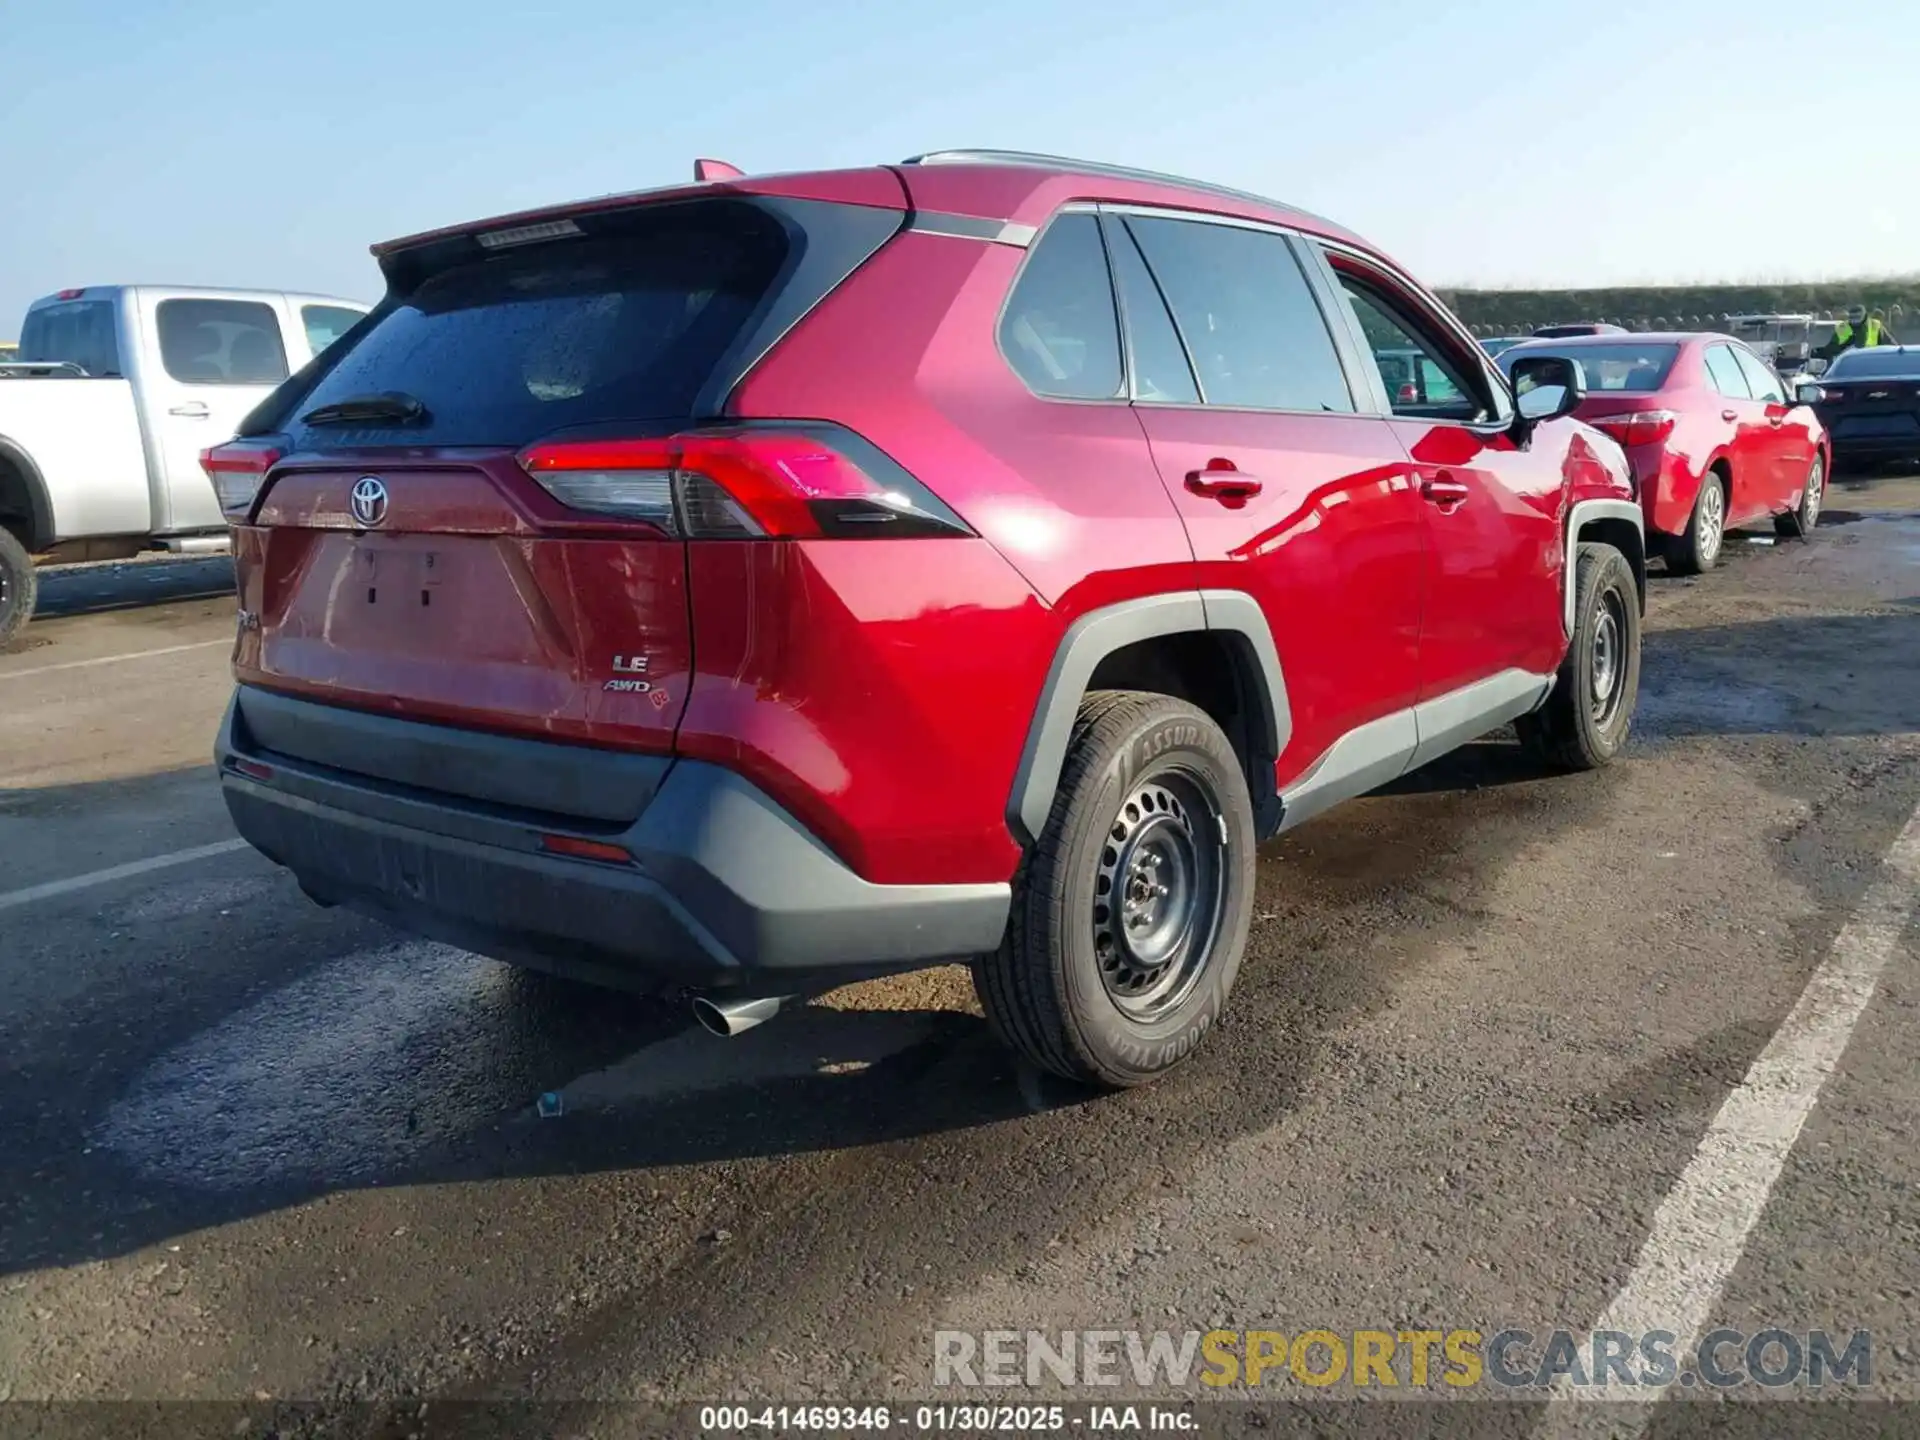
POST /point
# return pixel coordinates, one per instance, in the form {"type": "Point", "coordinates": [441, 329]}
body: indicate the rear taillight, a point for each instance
{"type": "Point", "coordinates": [237, 469]}
{"type": "Point", "coordinates": [1639, 427]}
{"type": "Point", "coordinates": [782, 481]}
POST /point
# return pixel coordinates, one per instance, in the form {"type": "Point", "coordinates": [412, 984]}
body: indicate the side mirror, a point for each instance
{"type": "Point", "coordinates": [1809, 394]}
{"type": "Point", "coordinates": [1545, 387]}
{"type": "Point", "coordinates": [1817, 366]}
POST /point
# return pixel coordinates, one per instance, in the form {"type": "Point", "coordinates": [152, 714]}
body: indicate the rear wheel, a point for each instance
{"type": "Point", "coordinates": [1803, 517]}
{"type": "Point", "coordinates": [1130, 913]}
{"type": "Point", "coordinates": [19, 586]}
{"type": "Point", "coordinates": [1590, 708]}
{"type": "Point", "coordinates": [1698, 547]}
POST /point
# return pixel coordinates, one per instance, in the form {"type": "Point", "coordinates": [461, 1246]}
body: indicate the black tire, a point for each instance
{"type": "Point", "coordinates": [1698, 548]}
{"type": "Point", "coordinates": [1151, 790]}
{"type": "Point", "coordinates": [19, 586]}
{"type": "Point", "coordinates": [1803, 517]}
{"type": "Point", "coordinates": [1578, 728]}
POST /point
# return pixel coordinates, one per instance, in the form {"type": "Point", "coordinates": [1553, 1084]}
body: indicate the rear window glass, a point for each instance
{"type": "Point", "coordinates": [1625, 367]}
{"type": "Point", "coordinates": [221, 342]}
{"type": "Point", "coordinates": [1870, 364]}
{"type": "Point", "coordinates": [326, 323]}
{"type": "Point", "coordinates": [80, 332]}
{"type": "Point", "coordinates": [602, 328]}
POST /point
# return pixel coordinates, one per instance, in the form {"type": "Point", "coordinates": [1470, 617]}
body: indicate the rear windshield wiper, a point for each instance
{"type": "Point", "coordinates": [390, 405]}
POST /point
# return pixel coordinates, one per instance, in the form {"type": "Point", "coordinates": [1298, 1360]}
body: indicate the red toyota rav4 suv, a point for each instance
{"type": "Point", "coordinates": [767, 583]}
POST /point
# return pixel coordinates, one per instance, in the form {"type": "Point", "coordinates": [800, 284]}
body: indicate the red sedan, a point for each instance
{"type": "Point", "coordinates": [1714, 439]}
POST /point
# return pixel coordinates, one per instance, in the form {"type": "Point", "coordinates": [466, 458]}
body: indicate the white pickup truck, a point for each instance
{"type": "Point", "coordinates": [114, 392]}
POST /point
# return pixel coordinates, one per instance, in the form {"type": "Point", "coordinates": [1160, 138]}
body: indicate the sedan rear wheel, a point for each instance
{"type": "Point", "coordinates": [1803, 517]}
{"type": "Point", "coordinates": [1699, 548]}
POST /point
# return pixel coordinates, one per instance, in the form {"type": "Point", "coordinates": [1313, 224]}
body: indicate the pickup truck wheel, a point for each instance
{"type": "Point", "coordinates": [1803, 517]}
{"type": "Point", "coordinates": [1698, 549]}
{"type": "Point", "coordinates": [19, 586]}
{"type": "Point", "coordinates": [1590, 708]}
{"type": "Point", "coordinates": [1130, 913]}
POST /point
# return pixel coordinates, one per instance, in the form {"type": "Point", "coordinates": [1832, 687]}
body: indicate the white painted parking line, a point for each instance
{"type": "Point", "coordinates": [1701, 1228]}
{"type": "Point", "coordinates": [52, 888]}
{"type": "Point", "coordinates": [111, 659]}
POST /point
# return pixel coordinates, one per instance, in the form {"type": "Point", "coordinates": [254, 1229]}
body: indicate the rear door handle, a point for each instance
{"type": "Point", "coordinates": [1729, 415]}
{"type": "Point", "coordinates": [1443, 490]}
{"type": "Point", "coordinates": [192, 410]}
{"type": "Point", "coordinates": [1224, 481]}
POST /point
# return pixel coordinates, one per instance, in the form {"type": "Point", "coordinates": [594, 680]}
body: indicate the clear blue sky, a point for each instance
{"type": "Point", "coordinates": [268, 143]}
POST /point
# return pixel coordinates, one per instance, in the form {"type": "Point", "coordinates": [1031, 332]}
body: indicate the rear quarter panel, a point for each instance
{"type": "Point", "coordinates": [1702, 438]}
{"type": "Point", "coordinates": [944, 644]}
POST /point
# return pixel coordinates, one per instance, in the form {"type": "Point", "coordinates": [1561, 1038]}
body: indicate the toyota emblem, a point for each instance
{"type": "Point", "coordinates": [369, 500]}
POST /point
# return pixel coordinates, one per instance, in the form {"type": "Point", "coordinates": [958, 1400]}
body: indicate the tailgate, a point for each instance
{"type": "Point", "coordinates": [456, 604]}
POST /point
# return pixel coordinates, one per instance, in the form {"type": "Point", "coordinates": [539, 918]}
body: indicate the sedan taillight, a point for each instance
{"type": "Point", "coordinates": [1638, 427]}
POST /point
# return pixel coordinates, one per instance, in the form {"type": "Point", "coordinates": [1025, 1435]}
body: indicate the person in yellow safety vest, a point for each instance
{"type": "Point", "coordinates": [1855, 332]}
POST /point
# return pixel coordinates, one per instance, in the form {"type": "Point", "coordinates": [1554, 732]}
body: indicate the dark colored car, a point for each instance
{"type": "Point", "coordinates": [1871, 404]}
{"type": "Point", "coordinates": [1714, 439]}
{"type": "Point", "coordinates": [767, 583]}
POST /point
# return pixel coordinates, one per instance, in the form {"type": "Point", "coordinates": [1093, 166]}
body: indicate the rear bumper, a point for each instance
{"type": "Point", "coordinates": [726, 889]}
{"type": "Point", "coordinates": [1892, 446]}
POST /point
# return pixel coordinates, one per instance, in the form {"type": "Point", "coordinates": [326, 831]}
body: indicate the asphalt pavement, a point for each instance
{"type": "Point", "coordinates": [1509, 1050]}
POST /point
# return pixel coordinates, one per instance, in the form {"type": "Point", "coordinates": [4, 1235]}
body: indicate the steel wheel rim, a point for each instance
{"type": "Point", "coordinates": [1816, 487]}
{"type": "Point", "coordinates": [1158, 894]}
{"type": "Point", "coordinates": [1608, 671]}
{"type": "Point", "coordinates": [1713, 517]}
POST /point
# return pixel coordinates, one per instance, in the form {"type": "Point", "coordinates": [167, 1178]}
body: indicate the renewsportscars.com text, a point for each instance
{"type": "Point", "coordinates": [1509, 1359]}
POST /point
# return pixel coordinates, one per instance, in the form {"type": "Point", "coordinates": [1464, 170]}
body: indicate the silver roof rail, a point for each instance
{"type": "Point", "coordinates": [1096, 167]}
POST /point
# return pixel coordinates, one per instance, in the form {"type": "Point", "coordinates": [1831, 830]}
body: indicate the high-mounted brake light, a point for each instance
{"type": "Point", "coordinates": [527, 234]}
{"type": "Point", "coordinates": [70, 294]}
{"type": "Point", "coordinates": [781, 481]}
{"type": "Point", "coordinates": [237, 470]}
{"type": "Point", "coordinates": [1639, 427]}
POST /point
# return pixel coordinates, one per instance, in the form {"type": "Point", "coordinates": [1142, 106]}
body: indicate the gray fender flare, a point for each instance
{"type": "Point", "coordinates": [1100, 633]}
{"type": "Point", "coordinates": [1583, 513]}
{"type": "Point", "coordinates": [39, 503]}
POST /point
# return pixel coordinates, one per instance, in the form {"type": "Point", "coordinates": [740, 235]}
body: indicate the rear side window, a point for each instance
{"type": "Point", "coordinates": [1764, 384]}
{"type": "Point", "coordinates": [1724, 371]}
{"type": "Point", "coordinates": [627, 324]}
{"type": "Point", "coordinates": [79, 332]}
{"type": "Point", "coordinates": [325, 324]}
{"type": "Point", "coordinates": [1059, 330]}
{"type": "Point", "coordinates": [1256, 335]}
{"type": "Point", "coordinates": [221, 342]}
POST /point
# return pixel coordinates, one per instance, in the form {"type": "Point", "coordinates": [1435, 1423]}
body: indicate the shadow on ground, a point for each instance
{"type": "Point", "coordinates": [207, 1046]}
{"type": "Point", "coordinates": [89, 589]}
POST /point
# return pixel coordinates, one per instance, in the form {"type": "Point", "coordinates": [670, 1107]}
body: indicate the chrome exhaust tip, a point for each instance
{"type": "Point", "coordinates": [727, 1018]}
